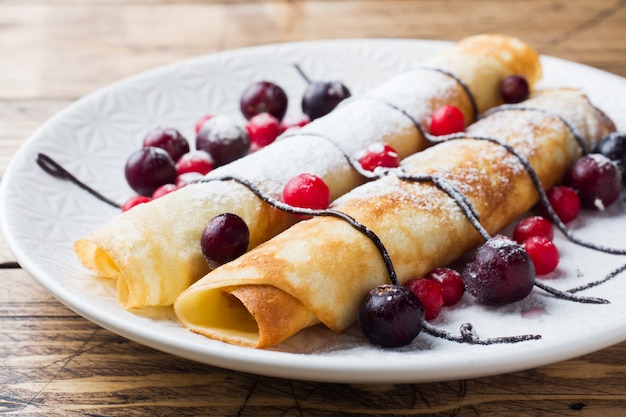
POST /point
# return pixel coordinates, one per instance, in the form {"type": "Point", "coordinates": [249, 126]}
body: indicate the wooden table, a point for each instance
{"type": "Point", "coordinates": [53, 362]}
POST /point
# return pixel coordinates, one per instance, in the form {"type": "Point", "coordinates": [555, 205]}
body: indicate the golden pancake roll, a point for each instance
{"type": "Point", "coordinates": [319, 270]}
{"type": "Point", "coordinates": [153, 250]}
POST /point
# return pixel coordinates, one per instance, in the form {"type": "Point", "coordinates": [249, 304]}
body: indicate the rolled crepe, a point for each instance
{"type": "Point", "coordinates": [319, 270]}
{"type": "Point", "coordinates": [153, 250]}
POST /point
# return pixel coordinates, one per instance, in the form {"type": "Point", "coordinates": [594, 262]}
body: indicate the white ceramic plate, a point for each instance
{"type": "Point", "coordinates": [42, 216]}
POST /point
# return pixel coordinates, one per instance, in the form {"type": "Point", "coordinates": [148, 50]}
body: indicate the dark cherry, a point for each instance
{"type": "Point", "coordinates": [391, 315]}
{"type": "Point", "coordinates": [565, 202]}
{"type": "Point", "coordinates": [149, 168]}
{"type": "Point", "coordinates": [263, 97]}
{"type": "Point", "coordinates": [596, 179]}
{"type": "Point", "coordinates": [613, 146]}
{"type": "Point", "coordinates": [169, 139]}
{"type": "Point", "coordinates": [514, 89]}
{"type": "Point", "coordinates": [223, 139]}
{"type": "Point", "coordinates": [321, 97]}
{"type": "Point", "coordinates": [499, 272]}
{"type": "Point", "coordinates": [224, 238]}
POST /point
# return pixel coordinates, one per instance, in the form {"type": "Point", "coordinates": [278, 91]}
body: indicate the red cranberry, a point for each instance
{"type": "Point", "coordinates": [321, 97]}
{"type": "Point", "coordinates": [134, 201]}
{"type": "Point", "coordinates": [263, 97]}
{"type": "Point", "coordinates": [224, 238]}
{"type": "Point", "coordinates": [544, 254]}
{"type": "Point", "coordinates": [195, 161]}
{"type": "Point", "coordinates": [514, 89]}
{"type": "Point", "coordinates": [223, 139]}
{"type": "Point", "coordinates": [263, 129]}
{"type": "Point", "coordinates": [291, 122]}
{"type": "Point", "coordinates": [169, 139]}
{"type": "Point", "coordinates": [446, 120]}
{"type": "Point", "coordinates": [379, 155]}
{"type": "Point", "coordinates": [184, 179]}
{"type": "Point", "coordinates": [452, 287]}
{"type": "Point", "coordinates": [532, 226]}
{"type": "Point", "coordinates": [429, 293]}
{"type": "Point", "coordinates": [390, 316]}
{"type": "Point", "coordinates": [565, 202]}
{"type": "Point", "coordinates": [149, 168]}
{"type": "Point", "coordinates": [201, 122]}
{"type": "Point", "coordinates": [163, 190]}
{"type": "Point", "coordinates": [307, 191]}
{"type": "Point", "coordinates": [597, 180]}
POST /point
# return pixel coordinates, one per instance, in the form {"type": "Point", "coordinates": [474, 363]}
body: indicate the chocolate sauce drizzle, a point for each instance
{"type": "Point", "coordinates": [56, 170]}
{"type": "Point", "coordinates": [582, 144]}
{"type": "Point", "coordinates": [466, 330]}
{"type": "Point", "coordinates": [468, 335]}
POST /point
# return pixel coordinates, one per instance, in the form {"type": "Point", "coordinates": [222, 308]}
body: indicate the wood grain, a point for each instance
{"type": "Point", "coordinates": [53, 362]}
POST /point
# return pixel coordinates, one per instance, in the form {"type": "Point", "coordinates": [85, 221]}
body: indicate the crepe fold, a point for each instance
{"type": "Point", "coordinates": [320, 269]}
{"type": "Point", "coordinates": [153, 250]}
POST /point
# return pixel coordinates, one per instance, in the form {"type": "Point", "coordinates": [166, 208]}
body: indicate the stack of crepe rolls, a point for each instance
{"type": "Point", "coordinates": [319, 270]}
{"type": "Point", "coordinates": [153, 250]}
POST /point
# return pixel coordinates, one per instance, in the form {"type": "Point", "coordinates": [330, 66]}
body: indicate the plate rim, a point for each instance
{"type": "Point", "coordinates": [273, 363]}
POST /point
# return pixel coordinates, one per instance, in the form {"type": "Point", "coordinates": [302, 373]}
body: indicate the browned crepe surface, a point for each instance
{"type": "Point", "coordinates": [321, 268]}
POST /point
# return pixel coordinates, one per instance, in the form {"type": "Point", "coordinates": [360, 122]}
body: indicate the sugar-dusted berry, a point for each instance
{"type": "Point", "coordinates": [379, 155]}
{"type": "Point", "coordinates": [293, 122]}
{"type": "Point", "coordinates": [451, 283]}
{"type": "Point", "coordinates": [263, 129]}
{"type": "Point", "coordinates": [201, 121]}
{"type": "Point", "coordinates": [195, 161]}
{"type": "Point", "coordinates": [499, 272]}
{"type": "Point", "coordinates": [597, 180]}
{"type": "Point", "coordinates": [223, 138]}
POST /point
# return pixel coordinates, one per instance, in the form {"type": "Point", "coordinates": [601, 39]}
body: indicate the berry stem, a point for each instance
{"type": "Point", "coordinates": [302, 74]}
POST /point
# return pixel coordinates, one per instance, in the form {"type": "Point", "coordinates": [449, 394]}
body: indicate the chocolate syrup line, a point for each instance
{"type": "Point", "coordinates": [592, 284]}
{"type": "Point", "coordinates": [464, 86]}
{"type": "Point", "coordinates": [457, 196]}
{"type": "Point", "coordinates": [354, 164]}
{"type": "Point", "coordinates": [582, 144]}
{"type": "Point", "coordinates": [467, 329]}
{"type": "Point", "coordinates": [468, 335]}
{"type": "Point", "coordinates": [56, 170]}
{"type": "Point", "coordinates": [468, 211]}
{"type": "Point", "coordinates": [312, 212]}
